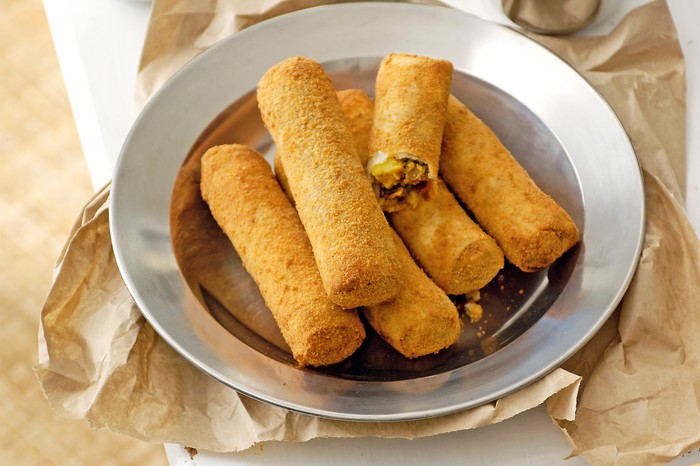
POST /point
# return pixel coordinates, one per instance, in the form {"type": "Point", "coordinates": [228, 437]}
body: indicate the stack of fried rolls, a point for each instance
{"type": "Point", "coordinates": [420, 319]}
{"type": "Point", "coordinates": [452, 249]}
{"type": "Point", "coordinates": [350, 237]}
{"type": "Point", "coordinates": [529, 226]}
{"type": "Point", "coordinates": [333, 150]}
{"type": "Point", "coordinates": [264, 228]}
{"type": "Point", "coordinates": [410, 101]}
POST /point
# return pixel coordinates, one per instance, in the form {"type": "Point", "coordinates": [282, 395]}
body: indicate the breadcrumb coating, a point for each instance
{"type": "Point", "coordinates": [421, 319]}
{"type": "Point", "coordinates": [250, 207]}
{"type": "Point", "coordinates": [347, 229]}
{"type": "Point", "coordinates": [457, 254]}
{"type": "Point", "coordinates": [529, 226]}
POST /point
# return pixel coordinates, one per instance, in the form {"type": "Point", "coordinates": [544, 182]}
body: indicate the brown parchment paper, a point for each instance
{"type": "Point", "coordinates": [637, 380]}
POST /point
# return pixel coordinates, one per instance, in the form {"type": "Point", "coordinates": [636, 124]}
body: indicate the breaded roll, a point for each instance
{"type": "Point", "coordinates": [250, 207]}
{"type": "Point", "coordinates": [451, 248]}
{"type": "Point", "coordinates": [529, 226]}
{"type": "Point", "coordinates": [421, 319]}
{"type": "Point", "coordinates": [349, 234]}
{"type": "Point", "coordinates": [357, 109]}
{"type": "Point", "coordinates": [409, 115]}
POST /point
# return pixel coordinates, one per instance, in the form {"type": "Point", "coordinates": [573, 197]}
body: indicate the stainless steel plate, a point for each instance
{"type": "Point", "coordinates": [201, 301]}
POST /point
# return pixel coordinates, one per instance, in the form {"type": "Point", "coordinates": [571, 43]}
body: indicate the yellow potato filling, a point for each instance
{"type": "Point", "coordinates": [388, 173]}
{"type": "Point", "coordinates": [398, 181]}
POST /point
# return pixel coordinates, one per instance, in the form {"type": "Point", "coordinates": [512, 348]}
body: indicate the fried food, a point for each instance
{"type": "Point", "coordinates": [465, 258]}
{"type": "Point", "coordinates": [529, 226]}
{"type": "Point", "coordinates": [357, 109]}
{"type": "Point", "coordinates": [452, 249]}
{"type": "Point", "coordinates": [409, 115]}
{"type": "Point", "coordinates": [349, 234]}
{"type": "Point", "coordinates": [421, 319]}
{"type": "Point", "coordinates": [250, 207]}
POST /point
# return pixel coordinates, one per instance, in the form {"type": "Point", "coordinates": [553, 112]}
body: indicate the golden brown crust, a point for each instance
{"type": "Point", "coordinates": [348, 232]}
{"type": "Point", "coordinates": [421, 319]}
{"type": "Point", "coordinates": [529, 226]}
{"type": "Point", "coordinates": [249, 206]}
{"type": "Point", "coordinates": [410, 101]}
{"type": "Point", "coordinates": [358, 109]}
{"type": "Point", "coordinates": [281, 175]}
{"type": "Point", "coordinates": [451, 248]}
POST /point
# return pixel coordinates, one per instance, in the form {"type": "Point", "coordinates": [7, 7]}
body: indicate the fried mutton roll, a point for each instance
{"type": "Point", "coordinates": [457, 254]}
{"type": "Point", "coordinates": [529, 226]}
{"type": "Point", "coordinates": [349, 234]}
{"type": "Point", "coordinates": [250, 207]}
{"type": "Point", "coordinates": [410, 101]}
{"type": "Point", "coordinates": [357, 108]}
{"type": "Point", "coordinates": [347, 229]}
{"type": "Point", "coordinates": [421, 319]}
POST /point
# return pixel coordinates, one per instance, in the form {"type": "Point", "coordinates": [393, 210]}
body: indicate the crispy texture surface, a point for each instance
{"type": "Point", "coordinates": [357, 108]}
{"type": "Point", "coordinates": [410, 102]}
{"type": "Point", "coordinates": [250, 207]}
{"type": "Point", "coordinates": [281, 175]}
{"type": "Point", "coordinates": [529, 226]}
{"type": "Point", "coordinates": [349, 235]}
{"type": "Point", "coordinates": [451, 248]}
{"type": "Point", "coordinates": [421, 319]}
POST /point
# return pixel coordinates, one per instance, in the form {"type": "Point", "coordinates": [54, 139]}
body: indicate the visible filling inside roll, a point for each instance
{"type": "Point", "coordinates": [397, 181]}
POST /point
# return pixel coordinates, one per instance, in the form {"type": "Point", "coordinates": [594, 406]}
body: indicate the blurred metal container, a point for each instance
{"type": "Point", "coordinates": [551, 16]}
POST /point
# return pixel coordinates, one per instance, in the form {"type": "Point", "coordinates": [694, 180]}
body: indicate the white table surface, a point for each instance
{"type": "Point", "coordinates": [99, 42]}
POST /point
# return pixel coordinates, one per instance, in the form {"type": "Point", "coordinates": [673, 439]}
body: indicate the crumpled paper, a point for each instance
{"type": "Point", "coordinates": [639, 403]}
{"type": "Point", "coordinates": [638, 379]}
